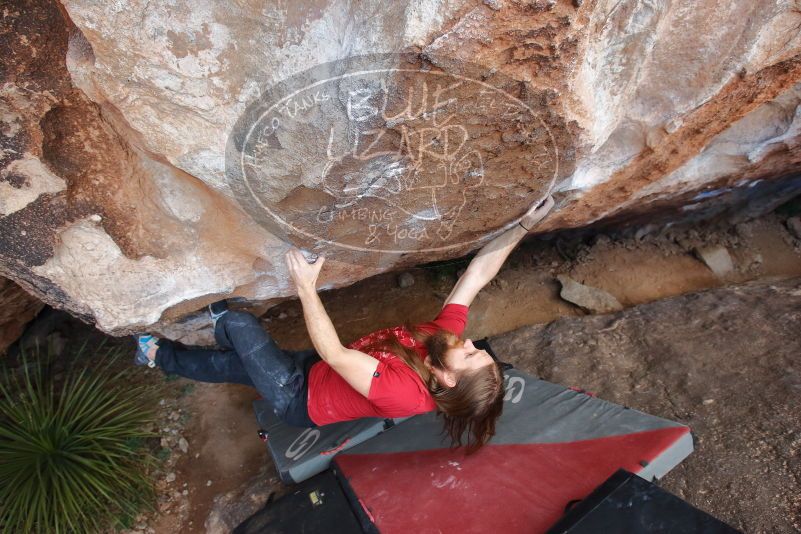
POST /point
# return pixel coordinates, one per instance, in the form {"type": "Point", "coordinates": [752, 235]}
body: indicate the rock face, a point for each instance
{"type": "Point", "coordinates": [157, 157]}
{"type": "Point", "coordinates": [17, 308]}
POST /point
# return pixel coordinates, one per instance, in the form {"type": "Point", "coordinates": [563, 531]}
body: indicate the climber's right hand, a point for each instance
{"type": "Point", "coordinates": [303, 273]}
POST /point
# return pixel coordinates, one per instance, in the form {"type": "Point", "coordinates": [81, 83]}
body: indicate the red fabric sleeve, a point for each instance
{"type": "Point", "coordinates": [452, 317]}
{"type": "Point", "coordinates": [396, 390]}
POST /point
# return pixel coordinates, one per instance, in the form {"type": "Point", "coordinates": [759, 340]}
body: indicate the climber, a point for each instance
{"type": "Point", "coordinates": [394, 372]}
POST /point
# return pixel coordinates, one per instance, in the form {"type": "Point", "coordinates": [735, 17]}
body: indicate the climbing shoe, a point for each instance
{"type": "Point", "coordinates": [143, 345]}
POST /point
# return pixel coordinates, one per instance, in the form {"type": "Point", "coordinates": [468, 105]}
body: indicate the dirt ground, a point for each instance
{"type": "Point", "coordinates": [731, 440]}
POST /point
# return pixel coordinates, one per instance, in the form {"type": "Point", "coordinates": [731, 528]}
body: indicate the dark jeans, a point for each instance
{"type": "Point", "coordinates": [249, 356]}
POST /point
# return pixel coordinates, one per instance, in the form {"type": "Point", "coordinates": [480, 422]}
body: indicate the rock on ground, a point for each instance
{"type": "Point", "coordinates": [405, 280]}
{"type": "Point", "coordinates": [116, 203]}
{"type": "Point", "coordinates": [717, 258]}
{"type": "Point", "coordinates": [232, 508]}
{"type": "Point", "coordinates": [794, 225]}
{"type": "Point", "coordinates": [726, 362]}
{"type": "Point", "coordinates": [591, 299]}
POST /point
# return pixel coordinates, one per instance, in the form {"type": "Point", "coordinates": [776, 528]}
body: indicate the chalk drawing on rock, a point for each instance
{"type": "Point", "coordinates": [375, 154]}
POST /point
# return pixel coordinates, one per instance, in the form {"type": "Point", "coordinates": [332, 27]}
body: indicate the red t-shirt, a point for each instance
{"type": "Point", "coordinates": [396, 390]}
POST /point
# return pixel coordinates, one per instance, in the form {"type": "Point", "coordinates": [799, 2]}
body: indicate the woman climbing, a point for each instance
{"type": "Point", "coordinates": [394, 372]}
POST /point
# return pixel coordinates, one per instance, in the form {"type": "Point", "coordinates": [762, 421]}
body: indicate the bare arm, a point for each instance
{"type": "Point", "coordinates": [354, 366]}
{"type": "Point", "coordinates": [486, 264]}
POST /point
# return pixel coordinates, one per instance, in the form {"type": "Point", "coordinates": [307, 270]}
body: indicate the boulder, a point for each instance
{"type": "Point", "coordinates": [717, 258]}
{"type": "Point", "coordinates": [589, 298]}
{"type": "Point", "coordinates": [794, 226]}
{"type": "Point", "coordinates": [405, 280]}
{"type": "Point", "coordinates": [157, 157]}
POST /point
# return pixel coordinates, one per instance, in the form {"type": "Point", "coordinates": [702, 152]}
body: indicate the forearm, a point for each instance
{"type": "Point", "coordinates": [321, 330]}
{"type": "Point", "coordinates": [486, 264]}
{"type": "Point", "coordinates": [357, 368]}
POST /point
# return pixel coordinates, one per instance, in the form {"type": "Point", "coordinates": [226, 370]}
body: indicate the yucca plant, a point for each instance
{"type": "Point", "coordinates": [71, 449]}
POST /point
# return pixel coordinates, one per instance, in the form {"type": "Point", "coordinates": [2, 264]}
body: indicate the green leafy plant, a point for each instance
{"type": "Point", "coordinates": [71, 449]}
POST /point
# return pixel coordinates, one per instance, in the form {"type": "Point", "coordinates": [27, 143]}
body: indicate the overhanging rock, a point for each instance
{"type": "Point", "coordinates": [117, 204]}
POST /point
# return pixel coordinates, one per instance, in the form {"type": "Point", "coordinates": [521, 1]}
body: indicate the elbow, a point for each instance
{"type": "Point", "coordinates": [333, 354]}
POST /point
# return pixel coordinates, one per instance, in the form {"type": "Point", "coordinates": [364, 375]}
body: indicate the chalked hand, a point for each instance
{"type": "Point", "coordinates": [303, 273]}
{"type": "Point", "coordinates": [536, 213]}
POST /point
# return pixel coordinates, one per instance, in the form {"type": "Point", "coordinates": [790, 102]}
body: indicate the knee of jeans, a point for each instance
{"type": "Point", "coordinates": [294, 383]}
{"type": "Point", "coordinates": [287, 379]}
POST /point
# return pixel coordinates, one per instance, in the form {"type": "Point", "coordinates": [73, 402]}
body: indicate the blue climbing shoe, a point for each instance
{"type": "Point", "coordinates": [143, 345]}
{"type": "Point", "coordinates": [217, 310]}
